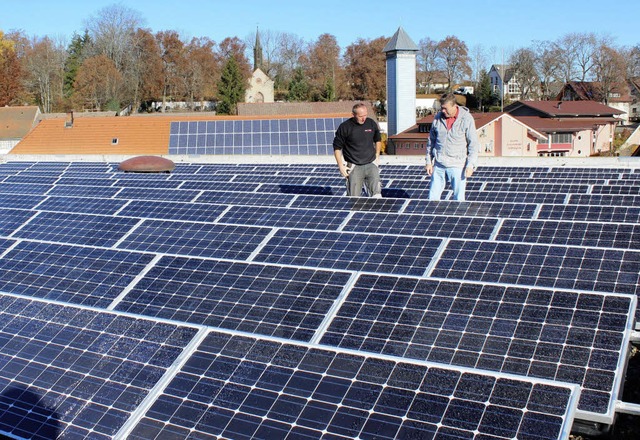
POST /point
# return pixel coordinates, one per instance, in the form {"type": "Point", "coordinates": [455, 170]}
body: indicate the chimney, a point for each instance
{"type": "Point", "coordinates": [69, 122]}
{"type": "Point", "coordinates": [559, 102]}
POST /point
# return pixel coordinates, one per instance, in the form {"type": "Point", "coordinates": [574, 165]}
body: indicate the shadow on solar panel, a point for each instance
{"type": "Point", "coordinates": [306, 189]}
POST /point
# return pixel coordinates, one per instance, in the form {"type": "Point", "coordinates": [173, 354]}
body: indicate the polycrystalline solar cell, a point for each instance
{"type": "Point", "coordinates": [557, 335]}
{"type": "Point", "coordinates": [515, 197]}
{"type": "Point", "coordinates": [67, 372]}
{"type": "Point", "coordinates": [600, 270]}
{"type": "Point", "coordinates": [284, 179]}
{"type": "Point", "coordinates": [618, 214]}
{"type": "Point", "coordinates": [195, 239]}
{"type": "Point", "coordinates": [83, 191]}
{"type": "Point", "coordinates": [284, 217]}
{"type": "Point", "coordinates": [418, 183]}
{"type": "Point", "coordinates": [89, 230]}
{"type": "Point", "coordinates": [422, 225]}
{"type": "Point", "coordinates": [12, 219]}
{"type": "Point", "coordinates": [82, 205]}
{"type": "Point", "coordinates": [271, 300]}
{"type": "Point", "coordinates": [349, 251]}
{"type": "Point", "coordinates": [245, 198]}
{"type": "Point", "coordinates": [472, 209]}
{"type": "Point", "coordinates": [243, 388]}
{"type": "Point", "coordinates": [348, 203]}
{"type": "Point", "coordinates": [91, 180]}
{"type": "Point", "coordinates": [194, 212]}
{"type": "Point", "coordinates": [74, 274]}
{"type": "Point", "coordinates": [616, 189]}
{"type": "Point", "coordinates": [165, 195]}
{"type": "Point", "coordinates": [612, 235]}
{"type": "Point", "coordinates": [31, 179]}
{"type": "Point", "coordinates": [143, 184]}
{"type": "Point", "coordinates": [19, 201]}
{"type": "Point", "coordinates": [23, 188]}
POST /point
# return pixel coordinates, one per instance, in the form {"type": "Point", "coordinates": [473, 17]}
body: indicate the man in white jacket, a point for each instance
{"type": "Point", "coordinates": [452, 150]}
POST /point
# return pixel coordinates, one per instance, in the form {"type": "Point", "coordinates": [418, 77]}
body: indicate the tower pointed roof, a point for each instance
{"type": "Point", "coordinates": [400, 41]}
{"type": "Point", "coordinates": [257, 52]}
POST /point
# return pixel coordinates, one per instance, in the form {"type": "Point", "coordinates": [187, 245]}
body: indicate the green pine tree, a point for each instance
{"type": "Point", "coordinates": [74, 61]}
{"type": "Point", "coordinates": [298, 87]}
{"type": "Point", "coordinates": [231, 88]}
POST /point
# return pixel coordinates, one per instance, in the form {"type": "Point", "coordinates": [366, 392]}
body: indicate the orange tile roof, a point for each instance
{"type": "Point", "coordinates": [96, 135]}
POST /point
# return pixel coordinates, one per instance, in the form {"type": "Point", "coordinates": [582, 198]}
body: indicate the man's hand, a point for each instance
{"type": "Point", "coordinates": [344, 171]}
{"type": "Point", "coordinates": [468, 171]}
{"type": "Point", "coordinates": [429, 169]}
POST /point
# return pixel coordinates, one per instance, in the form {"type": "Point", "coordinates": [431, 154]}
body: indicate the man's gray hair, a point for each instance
{"type": "Point", "coordinates": [357, 106]}
{"type": "Point", "coordinates": [448, 97]}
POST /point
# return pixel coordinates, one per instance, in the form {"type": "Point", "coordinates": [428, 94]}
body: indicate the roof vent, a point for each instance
{"type": "Point", "coordinates": [69, 122]}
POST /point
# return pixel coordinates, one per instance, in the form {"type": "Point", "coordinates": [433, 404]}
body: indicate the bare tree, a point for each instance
{"type": "Point", "coordinates": [453, 57]}
{"type": "Point", "coordinates": [586, 45]}
{"type": "Point", "coordinates": [44, 69]}
{"type": "Point", "coordinates": [427, 63]}
{"type": "Point", "coordinates": [548, 65]}
{"type": "Point", "coordinates": [479, 63]}
{"type": "Point", "coordinates": [632, 55]}
{"type": "Point", "coordinates": [610, 70]}
{"type": "Point", "coordinates": [523, 65]}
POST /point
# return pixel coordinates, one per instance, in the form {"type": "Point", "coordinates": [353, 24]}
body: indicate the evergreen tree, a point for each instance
{"type": "Point", "coordinates": [329, 93]}
{"type": "Point", "coordinates": [298, 87]}
{"type": "Point", "coordinates": [231, 88]}
{"type": "Point", "coordinates": [74, 61]}
{"type": "Point", "coordinates": [486, 98]}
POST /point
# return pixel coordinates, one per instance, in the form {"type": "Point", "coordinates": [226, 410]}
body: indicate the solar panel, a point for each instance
{"type": "Point", "coordinates": [22, 188]}
{"type": "Point", "coordinates": [19, 201]}
{"type": "Point", "coordinates": [242, 388]}
{"type": "Point", "coordinates": [195, 212]}
{"type": "Point", "coordinates": [73, 274]}
{"type": "Point", "coordinates": [284, 218]}
{"type": "Point", "coordinates": [347, 251]}
{"type": "Point", "coordinates": [604, 199]}
{"type": "Point", "coordinates": [270, 300]}
{"type": "Point", "coordinates": [11, 219]}
{"type": "Point", "coordinates": [305, 136]}
{"type": "Point", "coordinates": [81, 205]}
{"type": "Point", "coordinates": [475, 209]}
{"type": "Point", "coordinates": [244, 198]}
{"type": "Point", "coordinates": [559, 335]}
{"type": "Point", "coordinates": [610, 235]}
{"type": "Point", "coordinates": [68, 372]}
{"type": "Point", "coordinates": [348, 203]}
{"type": "Point", "coordinates": [195, 239]}
{"type": "Point", "coordinates": [516, 197]}
{"type": "Point", "coordinates": [618, 214]}
{"type": "Point", "coordinates": [167, 194]}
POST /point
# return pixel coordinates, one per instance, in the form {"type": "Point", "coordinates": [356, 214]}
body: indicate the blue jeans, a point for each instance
{"type": "Point", "coordinates": [442, 175]}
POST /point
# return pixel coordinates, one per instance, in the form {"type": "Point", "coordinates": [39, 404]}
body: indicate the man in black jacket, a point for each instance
{"type": "Point", "coordinates": [357, 142]}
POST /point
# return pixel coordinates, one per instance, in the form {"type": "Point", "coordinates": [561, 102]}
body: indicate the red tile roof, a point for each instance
{"type": "Point", "coordinates": [567, 108]}
{"type": "Point", "coordinates": [16, 122]}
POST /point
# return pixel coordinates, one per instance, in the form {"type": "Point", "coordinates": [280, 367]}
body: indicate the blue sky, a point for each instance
{"type": "Point", "coordinates": [501, 25]}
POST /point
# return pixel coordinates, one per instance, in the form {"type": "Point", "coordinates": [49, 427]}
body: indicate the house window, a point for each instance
{"type": "Point", "coordinates": [513, 87]}
{"type": "Point", "coordinates": [561, 138]}
{"type": "Point", "coordinates": [114, 141]}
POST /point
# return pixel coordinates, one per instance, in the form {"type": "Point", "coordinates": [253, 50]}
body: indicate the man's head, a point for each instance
{"type": "Point", "coordinates": [360, 113]}
{"type": "Point", "coordinates": [448, 105]}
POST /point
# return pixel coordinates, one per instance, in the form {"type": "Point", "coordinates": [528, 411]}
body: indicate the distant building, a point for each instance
{"type": "Point", "coordinates": [623, 96]}
{"type": "Point", "coordinates": [401, 81]}
{"type": "Point", "coordinates": [15, 123]}
{"type": "Point", "coordinates": [261, 87]}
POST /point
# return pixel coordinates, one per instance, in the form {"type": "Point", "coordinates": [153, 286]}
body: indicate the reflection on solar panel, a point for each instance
{"type": "Point", "coordinates": [271, 300]}
{"type": "Point", "coordinates": [242, 388]}
{"type": "Point", "coordinates": [265, 304]}
{"type": "Point", "coordinates": [558, 335]}
{"type": "Point", "coordinates": [67, 372]}
{"type": "Point", "coordinates": [307, 136]}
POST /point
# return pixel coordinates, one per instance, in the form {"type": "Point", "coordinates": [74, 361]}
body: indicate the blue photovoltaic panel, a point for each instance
{"type": "Point", "coordinates": [362, 252]}
{"type": "Point", "coordinates": [165, 195]}
{"type": "Point", "coordinates": [604, 200]}
{"type": "Point", "coordinates": [19, 201]}
{"type": "Point", "coordinates": [244, 198]}
{"type": "Point", "coordinates": [241, 388]}
{"type": "Point", "coordinates": [22, 188]}
{"type": "Point", "coordinates": [82, 205]}
{"type": "Point", "coordinates": [194, 212]}
{"type": "Point", "coordinates": [92, 180]}
{"type": "Point", "coordinates": [600, 270]}
{"type": "Point", "coordinates": [222, 185]}
{"type": "Point", "coordinates": [89, 230]}
{"type": "Point", "coordinates": [611, 235]}
{"type": "Point", "coordinates": [422, 225]}
{"type": "Point", "coordinates": [302, 189]}
{"type": "Point", "coordinates": [303, 136]}
{"type": "Point", "coordinates": [285, 218]}
{"type": "Point", "coordinates": [474, 209]}
{"type": "Point", "coordinates": [515, 197]}
{"type": "Point", "coordinates": [101, 192]}
{"type": "Point", "coordinates": [270, 300]}
{"type": "Point", "coordinates": [618, 214]}
{"type": "Point", "coordinates": [616, 189]}
{"type": "Point", "coordinates": [348, 203]}
{"type": "Point", "coordinates": [195, 239]}
{"type": "Point", "coordinates": [30, 180]}
{"type": "Point", "coordinates": [11, 219]}
{"type": "Point", "coordinates": [73, 373]}
{"type": "Point", "coordinates": [558, 335]}
{"type": "Point", "coordinates": [77, 275]}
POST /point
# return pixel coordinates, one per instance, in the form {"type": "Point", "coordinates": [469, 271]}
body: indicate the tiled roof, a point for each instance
{"type": "Point", "coordinates": [563, 124]}
{"type": "Point", "coordinates": [16, 122]}
{"type": "Point", "coordinates": [585, 90]}
{"type": "Point", "coordinates": [340, 108]}
{"type": "Point", "coordinates": [567, 108]}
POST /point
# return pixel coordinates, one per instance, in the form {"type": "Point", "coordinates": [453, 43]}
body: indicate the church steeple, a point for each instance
{"type": "Point", "coordinates": [257, 53]}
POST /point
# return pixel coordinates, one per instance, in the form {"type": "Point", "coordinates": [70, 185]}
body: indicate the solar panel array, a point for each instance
{"type": "Point", "coordinates": [307, 136]}
{"type": "Point", "coordinates": [256, 301]}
